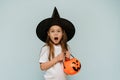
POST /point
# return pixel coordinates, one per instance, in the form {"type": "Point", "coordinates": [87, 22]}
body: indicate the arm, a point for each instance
{"type": "Point", "coordinates": [49, 64]}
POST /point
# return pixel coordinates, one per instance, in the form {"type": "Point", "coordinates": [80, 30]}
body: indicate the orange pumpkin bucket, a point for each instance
{"type": "Point", "coordinates": [72, 66]}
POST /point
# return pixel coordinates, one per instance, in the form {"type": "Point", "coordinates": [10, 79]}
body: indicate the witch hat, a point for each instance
{"type": "Point", "coordinates": [44, 25]}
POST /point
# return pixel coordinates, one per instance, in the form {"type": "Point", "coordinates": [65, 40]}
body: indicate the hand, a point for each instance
{"type": "Point", "coordinates": [67, 55]}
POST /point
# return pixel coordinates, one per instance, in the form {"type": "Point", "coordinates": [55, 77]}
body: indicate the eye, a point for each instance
{"type": "Point", "coordinates": [52, 31]}
{"type": "Point", "coordinates": [59, 31]}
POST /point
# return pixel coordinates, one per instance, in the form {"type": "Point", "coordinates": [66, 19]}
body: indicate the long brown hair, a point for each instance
{"type": "Point", "coordinates": [63, 44]}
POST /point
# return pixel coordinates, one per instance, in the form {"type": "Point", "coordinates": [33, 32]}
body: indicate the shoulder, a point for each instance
{"type": "Point", "coordinates": [45, 47]}
{"type": "Point", "coordinates": [44, 50]}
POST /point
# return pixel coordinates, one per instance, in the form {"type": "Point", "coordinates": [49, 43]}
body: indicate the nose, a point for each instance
{"type": "Point", "coordinates": [56, 33]}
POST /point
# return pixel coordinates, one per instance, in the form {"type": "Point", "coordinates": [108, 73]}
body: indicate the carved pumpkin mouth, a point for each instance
{"type": "Point", "coordinates": [76, 69]}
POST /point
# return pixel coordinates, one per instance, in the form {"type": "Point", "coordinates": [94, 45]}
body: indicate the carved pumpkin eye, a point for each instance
{"type": "Point", "coordinates": [77, 61]}
{"type": "Point", "coordinates": [73, 63]}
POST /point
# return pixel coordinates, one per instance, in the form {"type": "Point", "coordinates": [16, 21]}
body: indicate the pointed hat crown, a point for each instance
{"type": "Point", "coordinates": [55, 13]}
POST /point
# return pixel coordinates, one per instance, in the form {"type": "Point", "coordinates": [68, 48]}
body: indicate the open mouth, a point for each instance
{"type": "Point", "coordinates": [56, 38]}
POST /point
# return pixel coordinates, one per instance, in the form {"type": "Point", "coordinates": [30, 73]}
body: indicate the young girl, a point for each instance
{"type": "Point", "coordinates": [55, 32]}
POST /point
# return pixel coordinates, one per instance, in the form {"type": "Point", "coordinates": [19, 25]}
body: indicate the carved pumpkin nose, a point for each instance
{"type": "Point", "coordinates": [72, 66]}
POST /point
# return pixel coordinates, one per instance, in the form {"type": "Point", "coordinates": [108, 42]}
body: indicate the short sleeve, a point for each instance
{"type": "Point", "coordinates": [44, 54]}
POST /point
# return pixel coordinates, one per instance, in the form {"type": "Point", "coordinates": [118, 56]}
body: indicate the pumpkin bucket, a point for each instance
{"type": "Point", "coordinates": [72, 66]}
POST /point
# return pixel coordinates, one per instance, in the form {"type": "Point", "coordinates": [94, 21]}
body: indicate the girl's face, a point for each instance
{"type": "Point", "coordinates": [55, 33]}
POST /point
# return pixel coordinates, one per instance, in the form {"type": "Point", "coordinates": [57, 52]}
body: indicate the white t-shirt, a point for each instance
{"type": "Point", "coordinates": [56, 72]}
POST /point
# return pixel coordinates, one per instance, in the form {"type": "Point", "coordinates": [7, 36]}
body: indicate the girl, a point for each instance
{"type": "Point", "coordinates": [55, 32]}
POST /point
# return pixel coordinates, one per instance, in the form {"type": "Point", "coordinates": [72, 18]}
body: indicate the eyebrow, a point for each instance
{"type": "Point", "coordinates": [56, 29]}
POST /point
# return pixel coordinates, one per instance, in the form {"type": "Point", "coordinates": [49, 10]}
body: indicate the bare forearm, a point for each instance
{"type": "Point", "coordinates": [47, 65]}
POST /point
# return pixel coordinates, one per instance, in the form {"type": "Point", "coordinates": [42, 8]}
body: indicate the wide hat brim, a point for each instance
{"type": "Point", "coordinates": [44, 25]}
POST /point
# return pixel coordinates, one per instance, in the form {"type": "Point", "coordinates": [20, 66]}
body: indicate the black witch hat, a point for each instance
{"type": "Point", "coordinates": [44, 25]}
